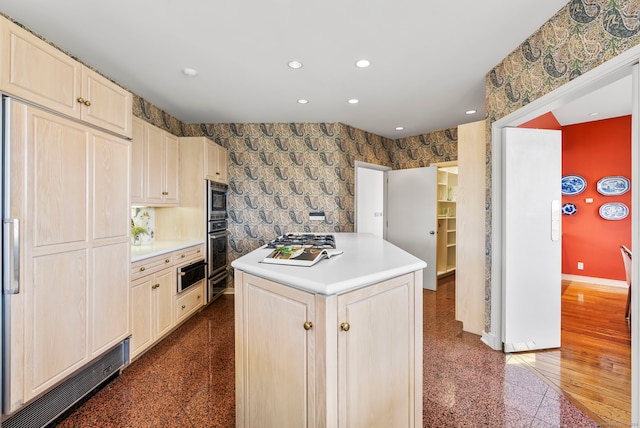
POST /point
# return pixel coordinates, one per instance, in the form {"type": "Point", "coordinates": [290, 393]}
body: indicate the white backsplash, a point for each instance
{"type": "Point", "coordinates": [144, 216]}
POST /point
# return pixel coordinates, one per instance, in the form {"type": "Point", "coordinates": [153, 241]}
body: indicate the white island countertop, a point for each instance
{"type": "Point", "coordinates": [145, 251]}
{"type": "Point", "coordinates": [366, 260]}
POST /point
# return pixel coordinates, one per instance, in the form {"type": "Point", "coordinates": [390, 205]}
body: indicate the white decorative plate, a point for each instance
{"type": "Point", "coordinates": [613, 185]}
{"type": "Point", "coordinates": [614, 211]}
{"type": "Point", "coordinates": [569, 209]}
{"type": "Point", "coordinates": [573, 185]}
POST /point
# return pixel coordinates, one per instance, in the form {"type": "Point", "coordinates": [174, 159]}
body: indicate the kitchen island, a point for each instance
{"type": "Point", "coordinates": [336, 344]}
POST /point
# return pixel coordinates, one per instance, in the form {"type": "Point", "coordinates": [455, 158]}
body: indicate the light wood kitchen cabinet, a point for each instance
{"type": "Point", "coordinates": [372, 383]}
{"type": "Point", "coordinates": [189, 301]}
{"type": "Point", "coordinates": [151, 308]}
{"type": "Point", "coordinates": [156, 307]}
{"type": "Point", "coordinates": [156, 156]}
{"type": "Point", "coordinates": [216, 162]}
{"type": "Point", "coordinates": [278, 375]}
{"type": "Point", "coordinates": [36, 71]}
{"type": "Point", "coordinates": [69, 191]}
{"type": "Point", "coordinates": [311, 360]}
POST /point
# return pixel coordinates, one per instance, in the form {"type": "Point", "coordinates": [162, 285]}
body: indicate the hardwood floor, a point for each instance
{"type": "Point", "coordinates": [593, 366]}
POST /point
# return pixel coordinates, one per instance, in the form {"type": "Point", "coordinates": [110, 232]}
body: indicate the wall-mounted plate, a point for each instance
{"type": "Point", "coordinates": [573, 185]}
{"type": "Point", "coordinates": [569, 209]}
{"type": "Point", "coordinates": [614, 185]}
{"type": "Point", "coordinates": [614, 211]}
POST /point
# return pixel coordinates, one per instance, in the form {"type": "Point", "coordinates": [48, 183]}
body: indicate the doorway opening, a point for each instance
{"type": "Point", "coordinates": [612, 71]}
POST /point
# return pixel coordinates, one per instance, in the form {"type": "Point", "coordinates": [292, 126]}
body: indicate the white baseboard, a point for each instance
{"type": "Point", "coordinates": [491, 341]}
{"type": "Point", "coordinates": [593, 280]}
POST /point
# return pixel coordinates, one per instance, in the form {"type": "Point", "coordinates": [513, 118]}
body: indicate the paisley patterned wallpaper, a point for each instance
{"type": "Point", "coordinates": [279, 172]}
{"type": "Point", "coordinates": [581, 36]}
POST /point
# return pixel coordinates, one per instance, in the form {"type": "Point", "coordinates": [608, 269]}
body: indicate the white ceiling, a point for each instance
{"type": "Point", "coordinates": [613, 100]}
{"type": "Point", "coordinates": [428, 59]}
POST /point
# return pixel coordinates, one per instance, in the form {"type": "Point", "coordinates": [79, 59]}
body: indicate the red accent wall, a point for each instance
{"type": "Point", "coordinates": [546, 121]}
{"type": "Point", "coordinates": [595, 150]}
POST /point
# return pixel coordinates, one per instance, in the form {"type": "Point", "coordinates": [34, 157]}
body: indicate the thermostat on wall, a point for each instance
{"type": "Point", "coordinates": [319, 215]}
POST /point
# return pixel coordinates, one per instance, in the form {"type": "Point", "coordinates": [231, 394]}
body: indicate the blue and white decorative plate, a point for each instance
{"type": "Point", "coordinates": [613, 185]}
{"type": "Point", "coordinates": [614, 211]}
{"type": "Point", "coordinates": [573, 185]}
{"type": "Point", "coordinates": [569, 209]}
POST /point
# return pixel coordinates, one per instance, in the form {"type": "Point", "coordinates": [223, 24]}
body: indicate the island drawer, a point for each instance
{"type": "Point", "coordinates": [189, 301]}
{"type": "Point", "coordinates": [151, 265]}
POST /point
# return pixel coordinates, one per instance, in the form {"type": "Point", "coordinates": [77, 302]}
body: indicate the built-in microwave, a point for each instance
{"type": "Point", "coordinates": [191, 274]}
{"type": "Point", "coordinates": [216, 200]}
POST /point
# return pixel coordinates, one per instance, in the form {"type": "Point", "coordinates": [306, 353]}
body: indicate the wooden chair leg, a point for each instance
{"type": "Point", "coordinates": [628, 311]}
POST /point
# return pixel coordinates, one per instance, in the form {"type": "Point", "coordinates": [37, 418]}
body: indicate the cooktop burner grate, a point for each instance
{"type": "Point", "coordinates": [310, 240]}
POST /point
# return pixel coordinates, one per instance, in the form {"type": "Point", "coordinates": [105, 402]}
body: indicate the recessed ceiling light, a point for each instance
{"type": "Point", "coordinates": [353, 101]}
{"type": "Point", "coordinates": [303, 101]}
{"type": "Point", "coordinates": [595, 113]}
{"type": "Point", "coordinates": [190, 72]}
{"type": "Point", "coordinates": [399, 128]}
{"type": "Point", "coordinates": [471, 111]}
{"type": "Point", "coordinates": [294, 64]}
{"type": "Point", "coordinates": [362, 63]}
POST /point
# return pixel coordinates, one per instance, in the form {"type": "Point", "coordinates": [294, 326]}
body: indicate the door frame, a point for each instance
{"type": "Point", "coordinates": [384, 169]}
{"type": "Point", "coordinates": [622, 65]}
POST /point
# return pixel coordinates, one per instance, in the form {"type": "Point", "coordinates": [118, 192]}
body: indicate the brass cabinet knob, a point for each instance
{"type": "Point", "coordinates": [154, 286]}
{"type": "Point", "coordinates": [81, 100]}
{"type": "Point", "coordinates": [183, 256]}
{"type": "Point", "coordinates": [167, 260]}
{"type": "Point", "coordinates": [198, 297]}
{"type": "Point", "coordinates": [87, 103]}
{"type": "Point", "coordinates": [184, 306]}
{"type": "Point", "coordinates": [308, 325]}
{"type": "Point", "coordinates": [142, 268]}
{"type": "Point", "coordinates": [345, 326]}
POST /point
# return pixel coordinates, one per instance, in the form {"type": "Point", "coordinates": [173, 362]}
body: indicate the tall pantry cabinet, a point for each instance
{"type": "Point", "coordinates": [67, 172]}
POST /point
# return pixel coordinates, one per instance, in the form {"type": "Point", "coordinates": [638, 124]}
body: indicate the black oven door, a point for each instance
{"type": "Point", "coordinates": [217, 253]}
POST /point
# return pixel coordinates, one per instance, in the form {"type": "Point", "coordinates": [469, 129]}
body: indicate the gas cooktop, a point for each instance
{"type": "Point", "coordinates": [311, 240]}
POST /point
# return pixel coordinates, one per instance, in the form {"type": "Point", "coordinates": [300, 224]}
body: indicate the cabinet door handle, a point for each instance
{"type": "Point", "coordinates": [308, 325]}
{"type": "Point", "coordinates": [87, 103]}
{"type": "Point", "coordinates": [81, 100]}
{"type": "Point", "coordinates": [154, 286]}
{"type": "Point", "coordinates": [345, 326]}
{"type": "Point", "coordinates": [142, 268]}
{"type": "Point", "coordinates": [184, 306]}
{"type": "Point", "coordinates": [183, 256]}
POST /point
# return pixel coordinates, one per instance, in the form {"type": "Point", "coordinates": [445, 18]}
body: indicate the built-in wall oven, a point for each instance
{"type": "Point", "coordinates": [217, 239]}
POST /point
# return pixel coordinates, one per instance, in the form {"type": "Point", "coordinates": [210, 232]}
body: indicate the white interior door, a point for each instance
{"type": "Point", "coordinates": [532, 165]}
{"type": "Point", "coordinates": [411, 216]}
{"type": "Point", "coordinates": [370, 201]}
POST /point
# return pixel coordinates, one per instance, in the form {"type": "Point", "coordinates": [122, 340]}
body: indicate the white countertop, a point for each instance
{"type": "Point", "coordinates": [366, 260]}
{"type": "Point", "coordinates": [140, 252]}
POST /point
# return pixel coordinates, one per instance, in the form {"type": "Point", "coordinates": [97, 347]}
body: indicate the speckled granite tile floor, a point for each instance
{"type": "Point", "coordinates": [188, 380]}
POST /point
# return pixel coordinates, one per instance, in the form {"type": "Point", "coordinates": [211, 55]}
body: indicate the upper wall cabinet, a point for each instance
{"type": "Point", "coordinates": [35, 71]}
{"type": "Point", "coordinates": [216, 163]}
{"type": "Point", "coordinates": [155, 161]}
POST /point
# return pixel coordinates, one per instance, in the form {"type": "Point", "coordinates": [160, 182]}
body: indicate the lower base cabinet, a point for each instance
{"type": "Point", "coordinates": [346, 360]}
{"type": "Point", "coordinates": [151, 308]}
{"type": "Point", "coordinates": [156, 306]}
